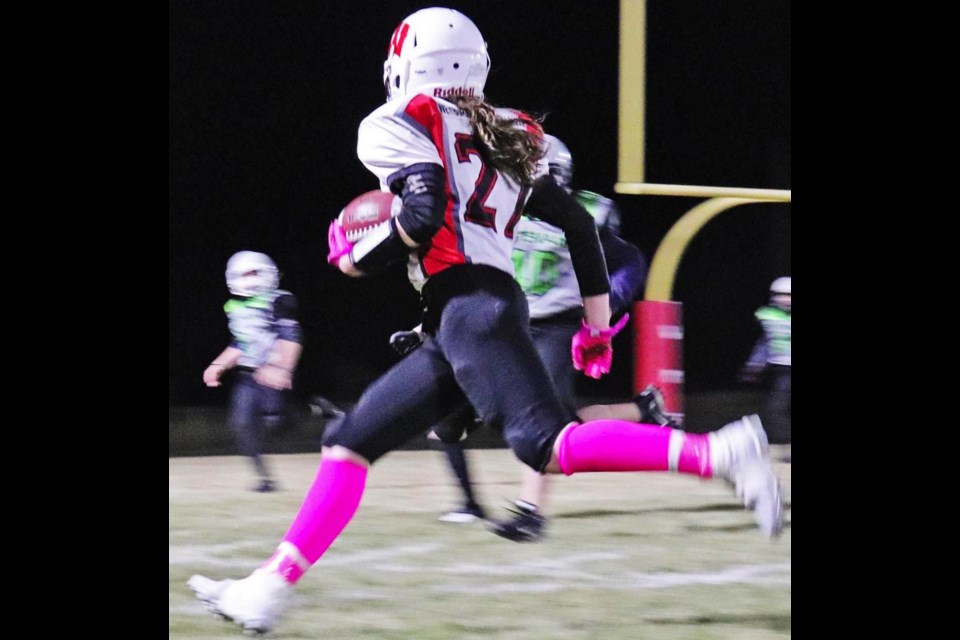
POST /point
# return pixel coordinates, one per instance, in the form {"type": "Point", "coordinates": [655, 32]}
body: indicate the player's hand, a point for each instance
{"type": "Point", "coordinates": [274, 377]}
{"type": "Point", "coordinates": [403, 342]}
{"type": "Point", "coordinates": [338, 243]}
{"type": "Point", "coordinates": [211, 375]}
{"type": "Point", "coordinates": [592, 348]}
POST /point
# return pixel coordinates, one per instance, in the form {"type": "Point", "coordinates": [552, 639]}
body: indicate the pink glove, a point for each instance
{"type": "Point", "coordinates": [339, 245]}
{"type": "Point", "coordinates": [592, 349]}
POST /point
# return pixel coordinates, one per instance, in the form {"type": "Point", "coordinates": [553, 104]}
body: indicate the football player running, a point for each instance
{"type": "Point", "coordinates": [466, 170]}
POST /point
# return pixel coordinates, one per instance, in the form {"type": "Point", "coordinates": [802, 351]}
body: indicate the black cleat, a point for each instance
{"type": "Point", "coordinates": [652, 408]}
{"type": "Point", "coordinates": [526, 525]}
{"type": "Point", "coordinates": [320, 406]}
{"type": "Point", "coordinates": [403, 342]}
{"type": "Point", "coordinates": [266, 486]}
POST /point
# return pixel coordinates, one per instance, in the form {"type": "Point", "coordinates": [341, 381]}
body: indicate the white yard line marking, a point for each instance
{"type": "Point", "coordinates": [540, 576]}
{"type": "Point", "coordinates": [751, 574]}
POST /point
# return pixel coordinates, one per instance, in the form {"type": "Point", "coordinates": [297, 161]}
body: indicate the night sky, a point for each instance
{"type": "Point", "coordinates": [264, 103]}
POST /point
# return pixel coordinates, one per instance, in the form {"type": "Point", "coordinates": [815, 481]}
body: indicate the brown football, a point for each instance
{"type": "Point", "coordinates": [365, 212]}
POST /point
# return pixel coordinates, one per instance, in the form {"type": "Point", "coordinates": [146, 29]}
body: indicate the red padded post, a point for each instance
{"type": "Point", "coordinates": [658, 351]}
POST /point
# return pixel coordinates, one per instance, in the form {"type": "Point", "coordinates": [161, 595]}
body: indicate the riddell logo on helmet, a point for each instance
{"type": "Point", "coordinates": [453, 92]}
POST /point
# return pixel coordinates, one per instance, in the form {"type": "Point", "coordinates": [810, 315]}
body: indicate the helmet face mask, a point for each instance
{"type": "Point", "coordinates": [250, 273]}
{"type": "Point", "coordinates": [560, 161]}
{"type": "Point", "coordinates": [560, 164]}
{"type": "Point", "coordinates": [439, 52]}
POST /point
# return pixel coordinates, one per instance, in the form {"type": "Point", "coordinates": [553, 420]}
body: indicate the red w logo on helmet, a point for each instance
{"type": "Point", "coordinates": [396, 42]}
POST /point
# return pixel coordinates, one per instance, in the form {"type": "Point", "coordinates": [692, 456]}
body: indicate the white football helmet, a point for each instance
{"type": "Point", "coordinates": [560, 161]}
{"type": "Point", "coordinates": [780, 293]}
{"type": "Point", "coordinates": [251, 274]}
{"type": "Point", "coordinates": [436, 51]}
{"type": "Point", "coordinates": [781, 285]}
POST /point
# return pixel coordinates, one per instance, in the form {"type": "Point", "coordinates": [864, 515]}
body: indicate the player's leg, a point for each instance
{"type": "Point", "coordinates": [276, 416]}
{"type": "Point", "coordinates": [390, 412]}
{"type": "Point", "coordinates": [484, 334]}
{"type": "Point", "coordinates": [485, 338]}
{"type": "Point", "coordinates": [777, 415]}
{"type": "Point", "coordinates": [646, 407]}
{"type": "Point", "coordinates": [274, 420]}
{"type": "Point", "coordinates": [736, 453]}
{"type": "Point", "coordinates": [243, 420]}
{"type": "Point", "coordinates": [527, 521]}
{"type": "Point", "coordinates": [457, 458]}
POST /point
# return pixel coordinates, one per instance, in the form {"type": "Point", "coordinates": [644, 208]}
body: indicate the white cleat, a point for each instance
{"type": "Point", "coordinates": [742, 458]}
{"type": "Point", "coordinates": [759, 488]}
{"type": "Point", "coordinates": [255, 603]}
{"type": "Point", "coordinates": [736, 443]}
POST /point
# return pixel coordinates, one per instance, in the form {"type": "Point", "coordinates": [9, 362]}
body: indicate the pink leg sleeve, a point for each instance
{"type": "Point", "coordinates": [618, 445]}
{"type": "Point", "coordinates": [329, 506]}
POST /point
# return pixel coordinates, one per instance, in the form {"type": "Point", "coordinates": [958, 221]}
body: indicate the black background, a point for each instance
{"type": "Point", "coordinates": [264, 103]}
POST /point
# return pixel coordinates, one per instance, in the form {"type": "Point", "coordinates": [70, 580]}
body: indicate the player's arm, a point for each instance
{"type": "Point", "coordinates": [421, 189]}
{"type": "Point", "coordinates": [289, 345]}
{"type": "Point", "coordinates": [284, 356]}
{"type": "Point", "coordinates": [756, 362]}
{"type": "Point", "coordinates": [627, 267]}
{"type": "Point", "coordinates": [226, 360]}
{"type": "Point", "coordinates": [408, 164]}
{"type": "Point", "coordinates": [277, 371]}
{"type": "Point", "coordinates": [554, 205]}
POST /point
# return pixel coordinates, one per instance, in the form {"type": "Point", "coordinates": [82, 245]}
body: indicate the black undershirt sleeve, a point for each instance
{"type": "Point", "coordinates": [551, 203]}
{"type": "Point", "coordinates": [286, 312]}
{"type": "Point", "coordinates": [422, 189]}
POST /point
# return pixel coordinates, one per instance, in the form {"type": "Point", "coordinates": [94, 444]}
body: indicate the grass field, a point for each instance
{"type": "Point", "coordinates": [640, 555]}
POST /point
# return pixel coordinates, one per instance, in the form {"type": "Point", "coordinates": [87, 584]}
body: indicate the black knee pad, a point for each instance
{"type": "Point", "coordinates": [532, 449]}
{"type": "Point", "coordinates": [341, 432]}
{"type": "Point", "coordinates": [332, 432]}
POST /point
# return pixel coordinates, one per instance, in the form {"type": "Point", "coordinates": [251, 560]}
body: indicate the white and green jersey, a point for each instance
{"type": "Point", "coordinates": [541, 259]}
{"type": "Point", "coordinates": [776, 330]}
{"type": "Point", "coordinates": [543, 268]}
{"type": "Point", "coordinates": [256, 323]}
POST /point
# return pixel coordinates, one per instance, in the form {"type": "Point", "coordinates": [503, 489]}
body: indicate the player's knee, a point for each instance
{"type": "Point", "coordinates": [553, 465]}
{"type": "Point", "coordinates": [333, 432]}
{"type": "Point", "coordinates": [338, 452]}
{"type": "Point", "coordinates": [530, 451]}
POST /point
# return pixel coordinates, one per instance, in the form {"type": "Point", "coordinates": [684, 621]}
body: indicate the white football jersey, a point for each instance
{"type": "Point", "coordinates": [483, 205]}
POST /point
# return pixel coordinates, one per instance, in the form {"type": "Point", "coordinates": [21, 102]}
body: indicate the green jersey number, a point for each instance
{"type": "Point", "coordinates": [536, 271]}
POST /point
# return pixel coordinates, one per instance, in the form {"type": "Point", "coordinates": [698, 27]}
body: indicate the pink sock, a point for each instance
{"type": "Point", "coordinates": [618, 445]}
{"type": "Point", "coordinates": [329, 506]}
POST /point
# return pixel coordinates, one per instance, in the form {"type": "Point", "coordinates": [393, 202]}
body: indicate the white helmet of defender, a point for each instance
{"type": "Point", "coordinates": [781, 286]}
{"type": "Point", "coordinates": [560, 161]}
{"type": "Point", "coordinates": [436, 51]}
{"type": "Point", "coordinates": [250, 273]}
{"type": "Point", "coordinates": [780, 293]}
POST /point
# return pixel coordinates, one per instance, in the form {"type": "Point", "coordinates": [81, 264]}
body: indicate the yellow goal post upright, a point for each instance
{"type": "Point", "coordinates": [658, 320]}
